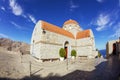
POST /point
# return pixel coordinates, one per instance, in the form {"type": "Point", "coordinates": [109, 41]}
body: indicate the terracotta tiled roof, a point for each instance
{"type": "Point", "coordinates": [70, 22]}
{"type": "Point", "coordinates": [83, 34]}
{"type": "Point", "coordinates": [56, 29]}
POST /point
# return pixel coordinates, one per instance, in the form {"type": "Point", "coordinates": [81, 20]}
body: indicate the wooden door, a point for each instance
{"type": "Point", "coordinates": [66, 50]}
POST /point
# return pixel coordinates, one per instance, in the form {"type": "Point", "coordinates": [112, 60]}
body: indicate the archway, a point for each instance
{"type": "Point", "coordinates": [114, 49]}
{"type": "Point", "coordinates": [66, 44]}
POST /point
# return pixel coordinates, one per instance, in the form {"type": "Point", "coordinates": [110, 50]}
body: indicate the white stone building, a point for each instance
{"type": "Point", "coordinates": [47, 39]}
{"type": "Point", "coordinates": [113, 47]}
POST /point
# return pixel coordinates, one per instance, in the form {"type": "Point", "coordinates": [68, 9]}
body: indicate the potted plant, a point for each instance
{"type": "Point", "coordinates": [73, 54]}
{"type": "Point", "coordinates": [62, 54]}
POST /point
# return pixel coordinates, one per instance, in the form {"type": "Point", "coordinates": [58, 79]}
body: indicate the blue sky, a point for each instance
{"type": "Point", "coordinates": [18, 17]}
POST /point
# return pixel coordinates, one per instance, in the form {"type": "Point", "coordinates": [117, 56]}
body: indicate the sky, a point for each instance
{"type": "Point", "coordinates": [18, 17]}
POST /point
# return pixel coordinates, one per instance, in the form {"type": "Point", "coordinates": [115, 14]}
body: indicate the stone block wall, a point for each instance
{"type": "Point", "coordinates": [36, 36]}
{"type": "Point", "coordinates": [52, 44]}
{"type": "Point", "coordinates": [84, 50]}
{"type": "Point", "coordinates": [109, 47]}
{"type": "Point", "coordinates": [36, 50]}
{"type": "Point", "coordinates": [49, 51]}
{"type": "Point", "coordinates": [46, 45]}
{"type": "Point", "coordinates": [84, 42]}
{"type": "Point", "coordinates": [49, 44]}
{"type": "Point", "coordinates": [51, 37]}
{"type": "Point", "coordinates": [86, 47]}
{"type": "Point", "coordinates": [37, 32]}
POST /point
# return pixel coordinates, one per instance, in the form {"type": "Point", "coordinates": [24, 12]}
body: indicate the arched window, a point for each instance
{"type": "Point", "coordinates": [43, 31]}
{"type": "Point", "coordinates": [66, 44]}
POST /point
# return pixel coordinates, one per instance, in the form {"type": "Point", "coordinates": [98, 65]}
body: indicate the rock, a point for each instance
{"type": "Point", "coordinates": [15, 46]}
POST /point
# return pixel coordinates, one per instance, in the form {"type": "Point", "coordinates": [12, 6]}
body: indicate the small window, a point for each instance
{"type": "Point", "coordinates": [44, 32]}
{"type": "Point", "coordinates": [64, 26]}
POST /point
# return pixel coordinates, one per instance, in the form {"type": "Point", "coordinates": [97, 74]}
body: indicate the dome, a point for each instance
{"type": "Point", "coordinates": [70, 22]}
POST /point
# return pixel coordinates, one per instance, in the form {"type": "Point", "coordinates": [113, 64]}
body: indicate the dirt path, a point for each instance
{"type": "Point", "coordinates": [15, 66]}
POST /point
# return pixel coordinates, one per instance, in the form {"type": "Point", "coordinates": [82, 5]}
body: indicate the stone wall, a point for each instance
{"type": "Point", "coordinates": [37, 32]}
{"type": "Point", "coordinates": [46, 44]}
{"type": "Point", "coordinates": [51, 44]}
{"type": "Point", "coordinates": [109, 47]}
{"type": "Point", "coordinates": [84, 42]}
{"type": "Point", "coordinates": [48, 51]}
{"type": "Point", "coordinates": [84, 50]}
{"type": "Point", "coordinates": [36, 36]}
{"type": "Point", "coordinates": [84, 46]}
{"type": "Point", "coordinates": [51, 37]}
{"type": "Point", "coordinates": [36, 50]}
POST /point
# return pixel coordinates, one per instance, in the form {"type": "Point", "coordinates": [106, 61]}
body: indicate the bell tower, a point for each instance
{"type": "Point", "coordinates": [72, 26]}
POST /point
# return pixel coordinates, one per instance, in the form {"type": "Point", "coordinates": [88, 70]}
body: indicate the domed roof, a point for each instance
{"type": "Point", "coordinates": [70, 22]}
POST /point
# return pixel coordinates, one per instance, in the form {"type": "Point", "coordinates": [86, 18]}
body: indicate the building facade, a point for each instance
{"type": "Point", "coordinates": [47, 39]}
{"type": "Point", "coordinates": [113, 47]}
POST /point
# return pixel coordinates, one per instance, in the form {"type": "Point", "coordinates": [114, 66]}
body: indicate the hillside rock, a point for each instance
{"type": "Point", "coordinates": [15, 46]}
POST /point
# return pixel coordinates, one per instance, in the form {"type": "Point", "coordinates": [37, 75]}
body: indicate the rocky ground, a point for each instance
{"type": "Point", "coordinates": [15, 46]}
{"type": "Point", "coordinates": [15, 65]}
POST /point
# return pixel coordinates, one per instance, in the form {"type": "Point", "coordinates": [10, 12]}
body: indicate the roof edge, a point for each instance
{"type": "Point", "coordinates": [50, 27]}
{"type": "Point", "coordinates": [83, 34]}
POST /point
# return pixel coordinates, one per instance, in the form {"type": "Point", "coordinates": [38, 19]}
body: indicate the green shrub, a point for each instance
{"type": "Point", "coordinates": [62, 52]}
{"type": "Point", "coordinates": [99, 54]}
{"type": "Point", "coordinates": [73, 53]}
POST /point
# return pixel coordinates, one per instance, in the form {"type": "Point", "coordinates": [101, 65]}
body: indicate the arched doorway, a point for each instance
{"type": "Point", "coordinates": [66, 44]}
{"type": "Point", "coordinates": [114, 49]}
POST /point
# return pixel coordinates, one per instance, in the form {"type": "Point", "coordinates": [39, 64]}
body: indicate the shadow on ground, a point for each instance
{"type": "Point", "coordinates": [108, 70]}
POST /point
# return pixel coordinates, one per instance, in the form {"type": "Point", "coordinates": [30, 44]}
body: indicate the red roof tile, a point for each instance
{"type": "Point", "coordinates": [83, 34]}
{"type": "Point", "coordinates": [56, 29]}
{"type": "Point", "coordinates": [70, 22]}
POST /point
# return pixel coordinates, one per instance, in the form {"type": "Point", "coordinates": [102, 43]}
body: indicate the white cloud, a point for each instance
{"type": "Point", "coordinates": [18, 11]}
{"type": "Point", "coordinates": [106, 20]}
{"type": "Point", "coordinates": [16, 25]}
{"type": "Point", "coordinates": [16, 8]}
{"type": "Point", "coordinates": [111, 23]}
{"type": "Point", "coordinates": [100, 1]}
{"type": "Point", "coordinates": [102, 22]}
{"type": "Point", "coordinates": [117, 31]}
{"type": "Point", "coordinates": [32, 18]}
{"type": "Point", "coordinates": [3, 35]}
{"type": "Point", "coordinates": [2, 8]}
{"type": "Point", "coordinates": [73, 6]}
{"type": "Point", "coordinates": [24, 16]}
{"type": "Point", "coordinates": [100, 28]}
